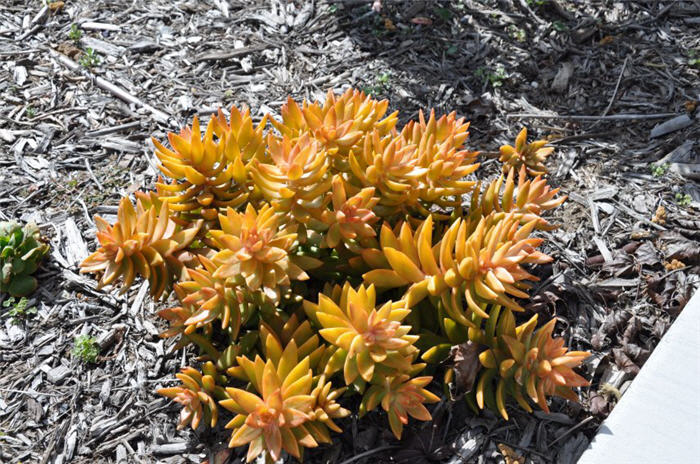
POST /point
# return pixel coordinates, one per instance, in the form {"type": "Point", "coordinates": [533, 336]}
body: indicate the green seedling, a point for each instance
{"type": "Point", "coordinates": [683, 199]}
{"type": "Point", "coordinates": [383, 78]}
{"type": "Point", "coordinates": [381, 84]}
{"type": "Point", "coordinates": [444, 13]}
{"type": "Point", "coordinates": [75, 34]}
{"type": "Point", "coordinates": [560, 26]}
{"type": "Point", "coordinates": [19, 312]}
{"type": "Point", "coordinates": [694, 58]}
{"type": "Point", "coordinates": [31, 112]}
{"type": "Point", "coordinates": [658, 170]}
{"type": "Point", "coordinates": [495, 78]}
{"type": "Point", "coordinates": [89, 58]}
{"type": "Point", "coordinates": [85, 348]}
{"type": "Point", "coordinates": [516, 33]}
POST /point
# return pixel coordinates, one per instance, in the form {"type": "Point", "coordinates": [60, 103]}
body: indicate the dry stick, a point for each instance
{"type": "Point", "coordinates": [369, 453]}
{"type": "Point", "coordinates": [92, 175]}
{"type": "Point", "coordinates": [113, 129]}
{"type": "Point", "coordinates": [617, 86]}
{"type": "Point", "coordinates": [614, 117]}
{"type": "Point", "coordinates": [583, 422]}
{"type": "Point", "coordinates": [113, 89]}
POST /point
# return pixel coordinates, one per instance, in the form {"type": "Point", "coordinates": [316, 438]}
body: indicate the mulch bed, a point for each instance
{"type": "Point", "coordinates": [627, 254]}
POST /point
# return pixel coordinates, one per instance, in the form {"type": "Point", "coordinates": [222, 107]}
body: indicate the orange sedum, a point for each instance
{"type": "Point", "coordinates": [141, 243]}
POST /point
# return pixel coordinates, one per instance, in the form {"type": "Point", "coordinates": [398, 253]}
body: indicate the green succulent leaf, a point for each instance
{"type": "Point", "coordinates": [22, 286]}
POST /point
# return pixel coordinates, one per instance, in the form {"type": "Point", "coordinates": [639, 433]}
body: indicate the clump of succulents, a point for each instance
{"type": "Point", "coordinates": [331, 254]}
{"type": "Point", "coordinates": [21, 251]}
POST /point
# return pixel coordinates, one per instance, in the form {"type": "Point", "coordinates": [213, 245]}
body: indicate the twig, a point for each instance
{"type": "Point", "coordinates": [617, 87]}
{"type": "Point", "coordinates": [92, 175]}
{"type": "Point", "coordinates": [369, 453]}
{"type": "Point", "coordinates": [587, 135]}
{"type": "Point", "coordinates": [113, 89]}
{"type": "Point", "coordinates": [580, 424]}
{"type": "Point", "coordinates": [30, 393]}
{"type": "Point", "coordinates": [638, 217]}
{"type": "Point", "coordinates": [113, 129]}
{"type": "Point", "coordinates": [227, 55]}
{"type": "Point", "coordinates": [614, 117]}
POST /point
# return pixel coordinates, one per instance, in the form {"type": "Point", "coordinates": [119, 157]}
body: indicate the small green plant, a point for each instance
{"type": "Point", "coordinates": [18, 311]}
{"type": "Point", "coordinates": [683, 199]}
{"type": "Point", "coordinates": [694, 58]}
{"type": "Point", "coordinates": [536, 3]}
{"type": "Point", "coordinates": [89, 59]}
{"type": "Point", "coordinates": [452, 50]}
{"type": "Point", "coordinates": [85, 348]}
{"type": "Point", "coordinates": [516, 33]}
{"type": "Point", "coordinates": [75, 34]}
{"type": "Point", "coordinates": [658, 170]}
{"type": "Point", "coordinates": [495, 78]}
{"type": "Point", "coordinates": [21, 251]}
{"type": "Point", "coordinates": [31, 112]}
{"type": "Point", "coordinates": [383, 78]}
{"type": "Point", "coordinates": [73, 183]}
{"type": "Point", "coordinates": [560, 26]}
{"type": "Point", "coordinates": [444, 13]}
{"type": "Point", "coordinates": [333, 8]}
{"type": "Point", "coordinates": [381, 84]}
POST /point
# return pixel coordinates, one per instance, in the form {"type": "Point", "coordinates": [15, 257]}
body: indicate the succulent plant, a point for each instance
{"type": "Point", "coordinates": [400, 396]}
{"type": "Point", "coordinates": [440, 149]}
{"type": "Point", "coordinates": [249, 214]}
{"type": "Point", "coordinates": [369, 338]}
{"type": "Point", "coordinates": [254, 249]}
{"type": "Point", "coordinates": [483, 265]}
{"type": "Point", "coordinates": [350, 220]}
{"type": "Point", "coordinates": [197, 395]}
{"type": "Point", "coordinates": [532, 198]}
{"type": "Point", "coordinates": [525, 363]}
{"type": "Point", "coordinates": [340, 124]}
{"type": "Point", "coordinates": [21, 252]}
{"type": "Point", "coordinates": [282, 414]}
{"type": "Point", "coordinates": [141, 242]}
{"type": "Point", "coordinates": [296, 180]}
{"type": "Point", "coordinates": [531, 155]}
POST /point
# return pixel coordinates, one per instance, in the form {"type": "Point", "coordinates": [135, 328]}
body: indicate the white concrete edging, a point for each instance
{"type": "Point", "coordinates": [658, 418]}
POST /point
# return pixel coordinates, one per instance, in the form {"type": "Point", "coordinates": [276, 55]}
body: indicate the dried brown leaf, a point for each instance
{"type": "Point", "coordinates": [466, 365]}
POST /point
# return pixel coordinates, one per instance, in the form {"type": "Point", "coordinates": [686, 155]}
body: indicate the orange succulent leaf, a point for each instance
{"type": "Point", "coordinates": [197, 395]}
{"type": "Point", "coordinates": [400, 396]}
{"type": "Point", "coordinates": [254, 249]}
{"type": "Point", "coordinates": [531, 365]}
{"type": "Point", "coordinates": [470, 266]}
{"type": "Point", "coordinates": [531, 199]}
{"type": "Point", "coordinates": [369, 339]}
{"type": "Point", "coordinates": [530, 155]}
{"type": "Point", "coordinates": [143, 242]}
{"type": "Point", "coordinates": [287, 413]}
